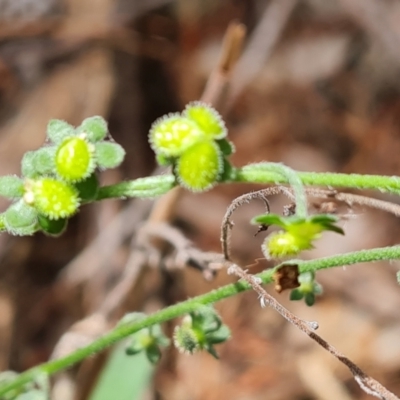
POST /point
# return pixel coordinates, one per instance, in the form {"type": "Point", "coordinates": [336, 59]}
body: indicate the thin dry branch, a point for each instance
{"type": "Point", "coordinates": [366, 383]}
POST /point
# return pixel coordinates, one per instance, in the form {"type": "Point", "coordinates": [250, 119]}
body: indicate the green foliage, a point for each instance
{"type": "Point", "coordinates": [94, 128]}
{"type": "Point", "coordinates": [201, 330]}
{"type": "Point", "coordinates": [298, 235]}
{"type": "Point", "coordinates": [11, 186]}
{"type": "Point", "coordinates": [148, 340]}
{"type": "Point", "coordinates": [308, 289]}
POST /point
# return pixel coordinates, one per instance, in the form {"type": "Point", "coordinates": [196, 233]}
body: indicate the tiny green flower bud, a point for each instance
{"type": "Point", "coordinates": [74, 159]}
{"type": "Point", "coordinates": [109, 154]}
{"type": "Point", "coordinates": [58, 130]}
{"type": "Point", "coordinates": [95, 128]}
{"type": "Point", "coordinates": [282, 244]}
{"type": "Point", "coordinates": [173, 134]}
{"type": "Point", "coordinates": [11, 186]}
{"type": "Point", "coordinates": [185, 339]}
{"type": "Point", "coordinates": [199, 167]}
{"type": "Point", "coordinates": [207, 118]}
{"type": "Point", "coordinates": [20, 219]}
{"type": "Point", "coordinates": [52, 198]}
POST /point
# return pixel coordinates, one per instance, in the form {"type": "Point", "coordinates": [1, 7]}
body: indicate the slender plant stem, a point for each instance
{"type": "Point", "coordinates": [259, 173]}
{"type": "Point", "coordinates": [122, 331]}
{"type": "Point", "coordinates": [151, 186]}
{"type": "Point", "coordinates": [293, 178]}
{"type": "Point", "coordinates": [254, 173]}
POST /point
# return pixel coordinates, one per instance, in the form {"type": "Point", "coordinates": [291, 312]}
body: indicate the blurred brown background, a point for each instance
{"type": "Point", "coordinates": [317, 88]}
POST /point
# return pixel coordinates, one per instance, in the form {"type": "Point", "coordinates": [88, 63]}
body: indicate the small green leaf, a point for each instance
{"type": "Point", "coordinates": [20, 219]}
{"type": "Point", "coordinates": [173, 134]}
{"type": "Point", "coordinates": [74, 160]}
{"type": "Point", "coordinates": [88, 188]}
{"type": "Point", "coordinates": [207, 118]}
{"type": "Point", "coordinates": [296, 294]}
{"type": "Point", "coordinates": [227, 147]}
{"type": "Point", "coordinates": [43, 160]}
{"type": "Point", "coordinates": [11, 186]}
{"type": "Point", "coordinates": [58, 130]}
{"type": "Point", "coordinates": [199, 167]}
{"type": "Point", "coordinates": [27, 168]}
{"type": "Point", "coordinates": [95, 128]}
{"type": "Point", "coordinates": [269, 219]}
{"type": "Point", "coordinates": [309, 299]}
{"type": "Point", "coordinates": [109, 155]}
{"type": "Point", "coordinates": [219, 336]}
{"type": "Point", "coordinates": [153, 354]}
{"type": "Point", "coordinates": [52, 227]}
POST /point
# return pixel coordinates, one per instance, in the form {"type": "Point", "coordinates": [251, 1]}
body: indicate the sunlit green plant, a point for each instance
{"type": "Point", "coordinates": [62, 176]}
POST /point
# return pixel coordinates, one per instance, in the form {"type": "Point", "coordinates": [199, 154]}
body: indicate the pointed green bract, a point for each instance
{"type": "Point", "coordinates": [52, 227]}
{"type": "Point", "coordinates": [11, 186]}
{"type": "Point", "coordinates": [173, 134]}
{"type": "Point", "coordinates": [20, 219]}
{"type": "Point", "coordinates": [74, 160]}
{"type": "Point", "coordinates": [52, 198]}
{"type": "Point", "coordinates": [43, 160]}
{"type": "Point", "coordinates": [58, 130]}
{"type": "Point", "coordinates": [198, 169]}
{"type": "Point", "coordinates": [95, 128]}
{"type": "Point", "coordinates": [88, 188]}
{"type": "Point", "coordinates": [227, 147]}
{"type": "Point", "coordinates": [207, 118]}
{"type": "Point", "coordinates": [109, 154]}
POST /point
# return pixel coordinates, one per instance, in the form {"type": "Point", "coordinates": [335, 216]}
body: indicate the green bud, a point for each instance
{"type": "Point", "coordinates": [11, 186]}
{"type": "Point", "coordinates": [109, 154]}
{"type": "Point", "coordinates": [173, 134]}
{"type": "Point", "coordinates": [185, 339]}
{"type": "Point", "coordinates": [95, 128]}
{"type": "Point", "coordinates": [199, 167]}
{"type": "Point", "coordinates": [52, 198]}
{"type": "Point", "coordinates": [74, 159]}
{"type": "Point", "coordinates": [21, 219]}
{"type": "Point", "coordinates": [207, 118]}
{"type": "Point", "coordinates": [58, 130]}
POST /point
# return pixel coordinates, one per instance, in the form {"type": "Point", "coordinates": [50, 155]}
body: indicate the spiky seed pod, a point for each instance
{"type": "Point", "coordinates": [173, 134]}
{"type": "Point", "coordinates": [51, 197]}
{"type": "Point", "coordinates": [74, 159]}
{"type": "Point", "coordinates": [207, 118]}
{"type": "Point", "coordinates": [199, 167]}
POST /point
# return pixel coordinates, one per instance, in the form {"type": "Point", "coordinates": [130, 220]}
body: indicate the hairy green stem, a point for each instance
{"type": "Point", "coordinates": [255, 173]}
{"type": "Point", "coordinates": [259, 173]}
{"type": "Point", "coordinates": [293, 178]}
{"type": "Point", "coordinates": [151, 186]}
{"type": "Point", "coordinates": [122, 331]}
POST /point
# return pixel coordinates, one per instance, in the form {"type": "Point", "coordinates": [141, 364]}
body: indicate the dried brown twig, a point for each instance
{"type": "Point", "coordinates": [367, 383]}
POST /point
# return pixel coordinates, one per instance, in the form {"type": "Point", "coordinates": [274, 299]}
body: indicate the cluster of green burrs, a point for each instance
{"type": "Point", "coordinates": [194, 143]}
{"type": "Point", "coordinates": [58, 177]}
